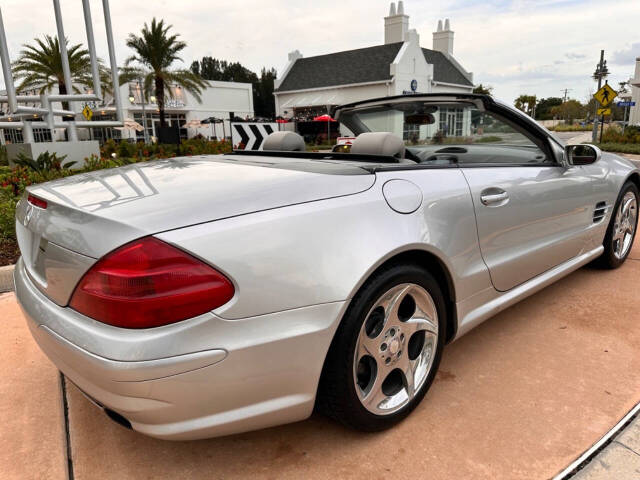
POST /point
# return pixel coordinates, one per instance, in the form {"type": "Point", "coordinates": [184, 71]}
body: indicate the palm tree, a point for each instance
{"type": "Point", "coordinates": [39, 66]}
{"type": "Point", "coordinates": [155, 51]}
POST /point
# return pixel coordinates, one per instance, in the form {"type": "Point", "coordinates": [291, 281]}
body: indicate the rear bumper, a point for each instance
{"type": "Point", "coordinates": [199, 378]}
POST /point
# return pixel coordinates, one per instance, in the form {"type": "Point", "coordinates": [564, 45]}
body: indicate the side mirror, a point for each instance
{"type": "Point", "coordinates": [583, 154]}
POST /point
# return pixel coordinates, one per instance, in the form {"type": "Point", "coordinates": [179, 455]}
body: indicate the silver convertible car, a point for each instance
{"type": "Point", "coordinates": [204, 296]}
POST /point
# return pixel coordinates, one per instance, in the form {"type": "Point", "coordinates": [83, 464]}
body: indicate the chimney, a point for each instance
{"type": "Point", "coordinates": [295, 55]}
{"type": "Point", "coordinates": [396, 24]}
{"type": "Point", "coordinates": [443, 38]}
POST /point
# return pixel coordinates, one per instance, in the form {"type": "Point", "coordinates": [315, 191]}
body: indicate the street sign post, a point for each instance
{"type": "Point", "coordinates": [626, 106]}
{"type": "Point", "coordinates": [605, 95]}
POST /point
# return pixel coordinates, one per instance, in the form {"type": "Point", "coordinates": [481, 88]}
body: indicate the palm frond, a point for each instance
{"type": "Point", "coordinates": [39, 65]}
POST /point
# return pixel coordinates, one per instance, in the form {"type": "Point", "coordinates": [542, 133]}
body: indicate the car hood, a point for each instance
{"type": "Point", "coordinates": [95, 212]}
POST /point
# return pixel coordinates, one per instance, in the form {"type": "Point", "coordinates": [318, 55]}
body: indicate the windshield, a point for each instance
{"type": "Point", "coordinates": [421, 124]}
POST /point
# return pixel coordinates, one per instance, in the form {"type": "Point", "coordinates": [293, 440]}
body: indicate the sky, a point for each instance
{"type": "Point", "coordinates": [518, 47]}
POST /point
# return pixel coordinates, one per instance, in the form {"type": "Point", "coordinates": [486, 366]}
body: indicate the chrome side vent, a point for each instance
{"type": "Point", "coordinates": [600, 212]}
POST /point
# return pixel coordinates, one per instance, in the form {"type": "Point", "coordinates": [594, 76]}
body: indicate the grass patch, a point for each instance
{"type": "Point", "coordinates": [571, 128]}
{"type": "Point", "coordinates": [487, 139]}
{"type": "Point", "coordinates": [633, 148]}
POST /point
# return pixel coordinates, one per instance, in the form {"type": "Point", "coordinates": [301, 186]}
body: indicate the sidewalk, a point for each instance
{"type": "Point", "coordinates": [519, 397]}
{"type": "Point", "coordinates": [618, 460]}
{"type": "Point", "coordinates": [580, 138]}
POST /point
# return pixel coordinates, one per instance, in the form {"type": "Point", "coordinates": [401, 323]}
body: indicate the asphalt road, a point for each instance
{"type": "Point", "coordinates": [566, 136]}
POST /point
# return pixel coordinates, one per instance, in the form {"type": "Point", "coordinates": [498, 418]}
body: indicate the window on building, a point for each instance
{"type": "Point", "coordinates": [451, 121]}
{"type": "Point", "coordinates": [15, 136]}
{"type": "Point", "coordinates": [12, 135]}
{"type": "Point", "coordinates": [42, 134]}
{"type": "Point", "coordinates": [153, 123]}
{"type": "Point", "coordinates": [410, 132]}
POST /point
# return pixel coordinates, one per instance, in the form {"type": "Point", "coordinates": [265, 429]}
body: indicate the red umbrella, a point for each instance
{"type": "Point", "coordinates": [282, 120]}
{"type": "Point", "coordinates": [323, 118]}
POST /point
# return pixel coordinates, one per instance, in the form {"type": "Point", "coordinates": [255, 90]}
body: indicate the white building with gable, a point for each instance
{"type": "Point", "coordinates": [310, 86]}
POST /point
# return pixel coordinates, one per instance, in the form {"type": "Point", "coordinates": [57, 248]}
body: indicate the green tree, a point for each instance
{"type": "Point", "coordinates": [214, 69]}
{"type": "Point", "coordinates": [39, 67]}
{"type": "Point", "coordinates": [526, 103]}
{"type": "Point", "coordinates": [570, 111]}
{"type": "Point", "coordinates": [263, 100]}
{"type": "Point", "coordinates": [483, 89]}
{"type": "Point", "coordinates": [543, 109]}
{"type": "Point", "coordinates": [155, 52]}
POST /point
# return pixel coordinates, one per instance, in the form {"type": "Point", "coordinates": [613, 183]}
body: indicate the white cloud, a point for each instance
{"type": "Point", "coordinates": [518, 46]}
{"type": "Point", "coordinates": [627, 56]}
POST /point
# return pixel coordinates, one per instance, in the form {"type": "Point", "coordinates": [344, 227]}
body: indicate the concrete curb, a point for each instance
{"type": "Point", "coordinates": [6, 278]}
{"type": "Point", "coordinates": [626, 433]}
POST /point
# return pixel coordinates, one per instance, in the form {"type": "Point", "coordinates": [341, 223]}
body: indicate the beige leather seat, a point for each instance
{"type": "Point", "coordinates": [378, 143]}
{"type": "Point", "coordinates": [284, 142]}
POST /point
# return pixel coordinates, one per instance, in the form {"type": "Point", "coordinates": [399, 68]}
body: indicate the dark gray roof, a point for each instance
{"type": "Point", "coordinates": [444, 69]}
{"type": "Point", "coordinates": [369, 64]}
{"type": "Point", "coordinates": [342, 68]}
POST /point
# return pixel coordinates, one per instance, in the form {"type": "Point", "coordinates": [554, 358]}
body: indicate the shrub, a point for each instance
{"type": "Point", "coordinates": [8, 202]}
{"type": "Point", "coordinates": [487, 139]}
{"type": "Point", "coordinates": [633, 148]}
{"type": "Point", "coordinates": [614, 134]}
{"type": "Point", "coordinates": [4, 159]}
{"type": "Point", "coordinates": [109, 147]}
{"type": "Point", "coordinates": [126, 149]}
{"type": "Point", "coordinates": [45, 162]}
{"type": "Point", "coordinates": [575, 127]}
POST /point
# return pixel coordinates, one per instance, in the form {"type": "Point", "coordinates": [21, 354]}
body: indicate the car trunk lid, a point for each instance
{"type": "Point", "coordinates": [90, 214]}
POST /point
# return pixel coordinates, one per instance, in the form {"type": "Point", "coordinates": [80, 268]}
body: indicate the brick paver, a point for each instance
{"type": "Point", "coordinates": [31, 420]}
{"type": "Point", "coordinates": [519, 397]}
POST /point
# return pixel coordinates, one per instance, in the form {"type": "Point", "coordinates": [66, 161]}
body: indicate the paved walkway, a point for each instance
{"type": "Point", "coordinates": [521, 396]}
{"type": "Point", "coordinates": [619, 460]}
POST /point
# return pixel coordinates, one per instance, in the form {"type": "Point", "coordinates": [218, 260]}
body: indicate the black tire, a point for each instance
{"type": "Point", "coordinates": [608, 259]}
{"type": "Point", "coordinates": [337, 397]}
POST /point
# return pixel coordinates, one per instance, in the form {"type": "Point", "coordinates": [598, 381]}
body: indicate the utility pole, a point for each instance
{"type": "Point", "coordinates": [601, 72]}
{"type": "Point", "coordinates": [566, 90]}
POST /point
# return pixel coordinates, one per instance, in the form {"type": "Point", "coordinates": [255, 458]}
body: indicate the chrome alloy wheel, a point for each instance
{"type": "Point", "coordinates": [624, 225]}
{"type": "Point", "coordinates": [395, 349]}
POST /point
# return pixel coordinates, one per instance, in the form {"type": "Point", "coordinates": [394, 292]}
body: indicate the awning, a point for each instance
{"type": "Point", "coordinates": [312, 99]}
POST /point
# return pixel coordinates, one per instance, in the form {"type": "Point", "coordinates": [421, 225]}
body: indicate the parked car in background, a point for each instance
{"type": "Point", "coordinates": [211, 295]}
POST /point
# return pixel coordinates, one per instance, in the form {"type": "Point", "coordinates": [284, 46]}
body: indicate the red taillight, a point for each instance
{"type": "Point", "coordinates": [36, 202]}
{"type": "Point", "coordinates": [148, 283]}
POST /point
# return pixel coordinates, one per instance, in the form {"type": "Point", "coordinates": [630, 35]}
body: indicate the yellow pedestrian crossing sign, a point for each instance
{"type": "Point", "coordinates": [605, 95]}
{"type": "Point", "coordinates": [87, 112]}
{"type": "Point", "coordinates": [604, 111]}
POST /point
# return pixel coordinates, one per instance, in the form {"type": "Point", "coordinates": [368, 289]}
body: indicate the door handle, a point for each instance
{"type": "Point", "coordinates": [494, 198]}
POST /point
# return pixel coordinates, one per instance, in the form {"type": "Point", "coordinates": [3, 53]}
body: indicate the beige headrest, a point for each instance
{"type": "Point", "coordinates": [378, 143]}
{"type": "Point", "coordinates": [284, 142]}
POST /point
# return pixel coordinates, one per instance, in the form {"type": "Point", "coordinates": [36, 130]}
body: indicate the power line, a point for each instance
{"type": "Point", "coordinates": [566, 90]}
